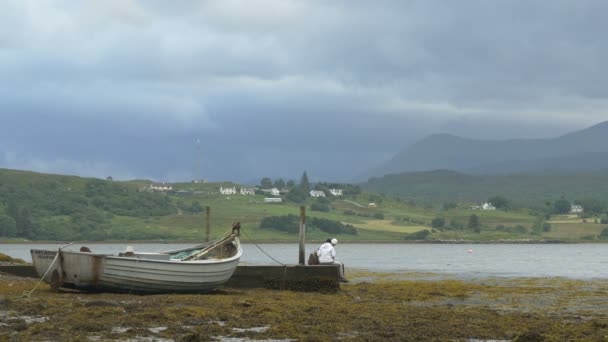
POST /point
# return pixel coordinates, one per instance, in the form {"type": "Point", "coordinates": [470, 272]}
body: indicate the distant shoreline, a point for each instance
{"type": "Point", "coordinates": [403, 242]}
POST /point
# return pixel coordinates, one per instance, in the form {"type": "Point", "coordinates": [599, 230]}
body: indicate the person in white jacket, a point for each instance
{"type": "Point", "coordinates": [327, 256]}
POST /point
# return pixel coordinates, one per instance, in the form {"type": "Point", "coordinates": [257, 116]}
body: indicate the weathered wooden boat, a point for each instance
{"type": "Point", "coordinates": [199, 268]}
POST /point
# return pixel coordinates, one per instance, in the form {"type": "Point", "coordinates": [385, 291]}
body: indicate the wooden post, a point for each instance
{"type": "Point", "coordinates": [207, 223]}
{"type": "Point", "coordinates": [302, 235]}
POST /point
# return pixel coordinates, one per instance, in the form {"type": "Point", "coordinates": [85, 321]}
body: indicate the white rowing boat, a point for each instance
{"type": "Point", "coordinates": [196, 269]}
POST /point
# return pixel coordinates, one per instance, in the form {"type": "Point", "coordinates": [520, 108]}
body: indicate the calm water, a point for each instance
{"type": "Point", "coordinates": [581, 261]}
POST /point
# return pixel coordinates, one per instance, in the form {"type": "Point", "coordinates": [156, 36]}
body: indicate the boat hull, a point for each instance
{"type": "Point", "coordinates": [101, 272]}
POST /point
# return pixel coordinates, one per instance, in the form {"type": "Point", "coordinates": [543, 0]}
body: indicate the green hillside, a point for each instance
{"type": "Point", "coordinates": [36, 206]}
{"type": "Point", "coordinates": [525, 189]}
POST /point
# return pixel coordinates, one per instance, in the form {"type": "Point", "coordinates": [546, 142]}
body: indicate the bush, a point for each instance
{"type": "Point", "coordinates": [291, 225]}
{"type": "Point", "coordinates": [604, 234]}
{"type": "Point", "coordinates": [319, 207]}
{"type": "Point", "coordinates": [473, 222]}
{"type": "Point", "coordinates": [323, 200]}
{"type": "Point", "coordinates": [350, 212]}
{"type": "Point", "coordinates": [449, 205]}
{"type": "Point", "coordinates": [333, 227]}
{"type": "Point", "coordinates": [456, 225]}
{"type": "Point", "coordinates": [379, 216]}
{"type": "Point", "coordinates": [438, 222]}
{"type": "Point", "coordinates": [419, 235]}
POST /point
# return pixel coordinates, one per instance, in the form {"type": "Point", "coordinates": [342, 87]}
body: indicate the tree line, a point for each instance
{"type": "Point", "coordinates": [61, 208]}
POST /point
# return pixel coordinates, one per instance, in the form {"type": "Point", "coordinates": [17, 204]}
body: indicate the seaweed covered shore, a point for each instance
{"type": "Point", "coordinates": [373, 307]}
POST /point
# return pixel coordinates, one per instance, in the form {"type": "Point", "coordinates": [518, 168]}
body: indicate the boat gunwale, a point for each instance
{"type": "Point", "coordinates": [137, 259]}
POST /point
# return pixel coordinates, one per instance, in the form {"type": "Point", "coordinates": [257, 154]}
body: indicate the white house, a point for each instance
{"type": "Point", "coordinates": [275, 192]}
{"type": "Point", "coordinates": [247, 191]}
{"type": "Point", "coordinates": [488, 206]}
{"type": "Point", "coordinates": [576, 209]}
{"type": "Point", "coordinates": [273, 200]}
{"type": "Point", "coordinates": [317, 193]}
{"type": "Point", "coordinates": [160, 187]}
{"type": "Point", "coordinates": [228, 191]}
{"type": "Point", "coordinates": [335, 192]}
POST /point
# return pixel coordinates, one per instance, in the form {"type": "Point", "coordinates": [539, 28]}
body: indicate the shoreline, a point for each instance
{"type": "Point", "coordinates": [403, 242]}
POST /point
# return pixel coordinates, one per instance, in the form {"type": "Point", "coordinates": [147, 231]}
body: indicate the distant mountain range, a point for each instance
{"type": "Point", "coordinates": [584, 150]}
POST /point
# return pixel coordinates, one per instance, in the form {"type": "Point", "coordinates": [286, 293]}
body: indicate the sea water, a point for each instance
{"type": "Point", "coordinates": [577, 261]}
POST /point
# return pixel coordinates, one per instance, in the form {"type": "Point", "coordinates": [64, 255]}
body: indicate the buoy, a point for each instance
{"type": "Point", "coordinates": [470, 250]}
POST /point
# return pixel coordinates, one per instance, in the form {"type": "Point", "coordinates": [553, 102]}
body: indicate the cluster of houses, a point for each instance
{"type": "Point", "coordinates": [275, 193]}
{"type": "Point", "coordinates": [485, 206]}
{"type": "Point", "coordinates": [576, 209]}
{"type": "Point", "coordinates": [321, 193]}
{"type": "Point", "coordinates": [233, 191]}
{"type": "Point", "coordinates": [165, 187]}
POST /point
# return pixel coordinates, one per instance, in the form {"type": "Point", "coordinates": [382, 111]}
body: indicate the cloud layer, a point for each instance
{"type": "Point", "coordinates": [273, 87]}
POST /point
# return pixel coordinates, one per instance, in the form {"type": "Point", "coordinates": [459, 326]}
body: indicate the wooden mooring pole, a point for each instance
{"type": "Point", "coordinates": [302, 253]}
{"type": "Point", "coordinates": [207, 223]}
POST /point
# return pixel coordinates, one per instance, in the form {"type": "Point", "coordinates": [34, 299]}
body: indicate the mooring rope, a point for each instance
{"type": "Point", "coordinates": [28, 294]}
{"type": "Point", "coordinates": [284, 279]}
{"type": "Point", "coordinates": [261, 249]}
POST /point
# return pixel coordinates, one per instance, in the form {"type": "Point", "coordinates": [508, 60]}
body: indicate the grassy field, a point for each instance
{"type": "Point", "coordinates": [572, 227]}
{"type": "Point", "coordinates": [389, 220]}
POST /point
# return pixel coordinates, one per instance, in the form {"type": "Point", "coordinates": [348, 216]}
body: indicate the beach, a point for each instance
{"type": "Point", "coordinates": [372, 307]}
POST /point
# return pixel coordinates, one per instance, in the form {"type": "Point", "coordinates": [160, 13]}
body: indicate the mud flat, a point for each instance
{"type": "Point", "coordinates": [372, 307]}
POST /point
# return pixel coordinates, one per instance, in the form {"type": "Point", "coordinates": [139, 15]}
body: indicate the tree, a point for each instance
{"type": "Point", "coordinates": [25, 227]}
{"type": "Point", "coordinates": [499, 202]}
{"type": "Point", "coordinates": [454, 224]}
{"type": "Point", "coordinates": [304, 183]}
{"type": "Point", "coordinates": [438, 222]}
{"type": "Point", "coordinates": [12, 210]}
{"type": "Point", "coordinates": [279, 183]}
{"type": "Point", "coordinates": [196, 208]}
{"type": "Point", "coordinates": [266, 183]}
{"type": "Point", "coordinates": [290, 184]}
{"type": "Point", "coordinates": [592, 206]}
{"type": "Point", "coordinates": [561, 206]}
{"type": "Point", "coordinates": [296, 195]}
{"type": "Point", "coordinates": [8, 226]}
{"type": "Point", "coordinates": [449, 205]}
{"type": "Point", "coordinates": [473, 222]}
{"type": "Point", "coordinates": [319, 207]}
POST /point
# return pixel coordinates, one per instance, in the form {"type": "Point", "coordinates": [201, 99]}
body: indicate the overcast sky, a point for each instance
{"type": "Point", "coordinates": [274, 87]}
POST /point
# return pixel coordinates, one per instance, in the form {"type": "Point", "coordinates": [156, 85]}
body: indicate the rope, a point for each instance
{"type": "Point", "coordinates": [260, 248]}
{"type": "Point", "coordinates": [28, 294]}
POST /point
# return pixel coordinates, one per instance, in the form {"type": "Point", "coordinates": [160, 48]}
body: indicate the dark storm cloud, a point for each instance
{"type": "Point", "coordinates": [273, 87]}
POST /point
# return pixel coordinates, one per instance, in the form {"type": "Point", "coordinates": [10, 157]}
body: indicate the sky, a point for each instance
{"type": "Point", "coordinates": [126, 88]}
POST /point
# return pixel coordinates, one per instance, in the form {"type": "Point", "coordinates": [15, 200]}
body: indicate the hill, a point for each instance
{"type": "Point", "coordinates": [524, 188]}
{"type": "Point", "coordinates": [585, 150]}
{"type": "Point", "coordinates": [36, 206]}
